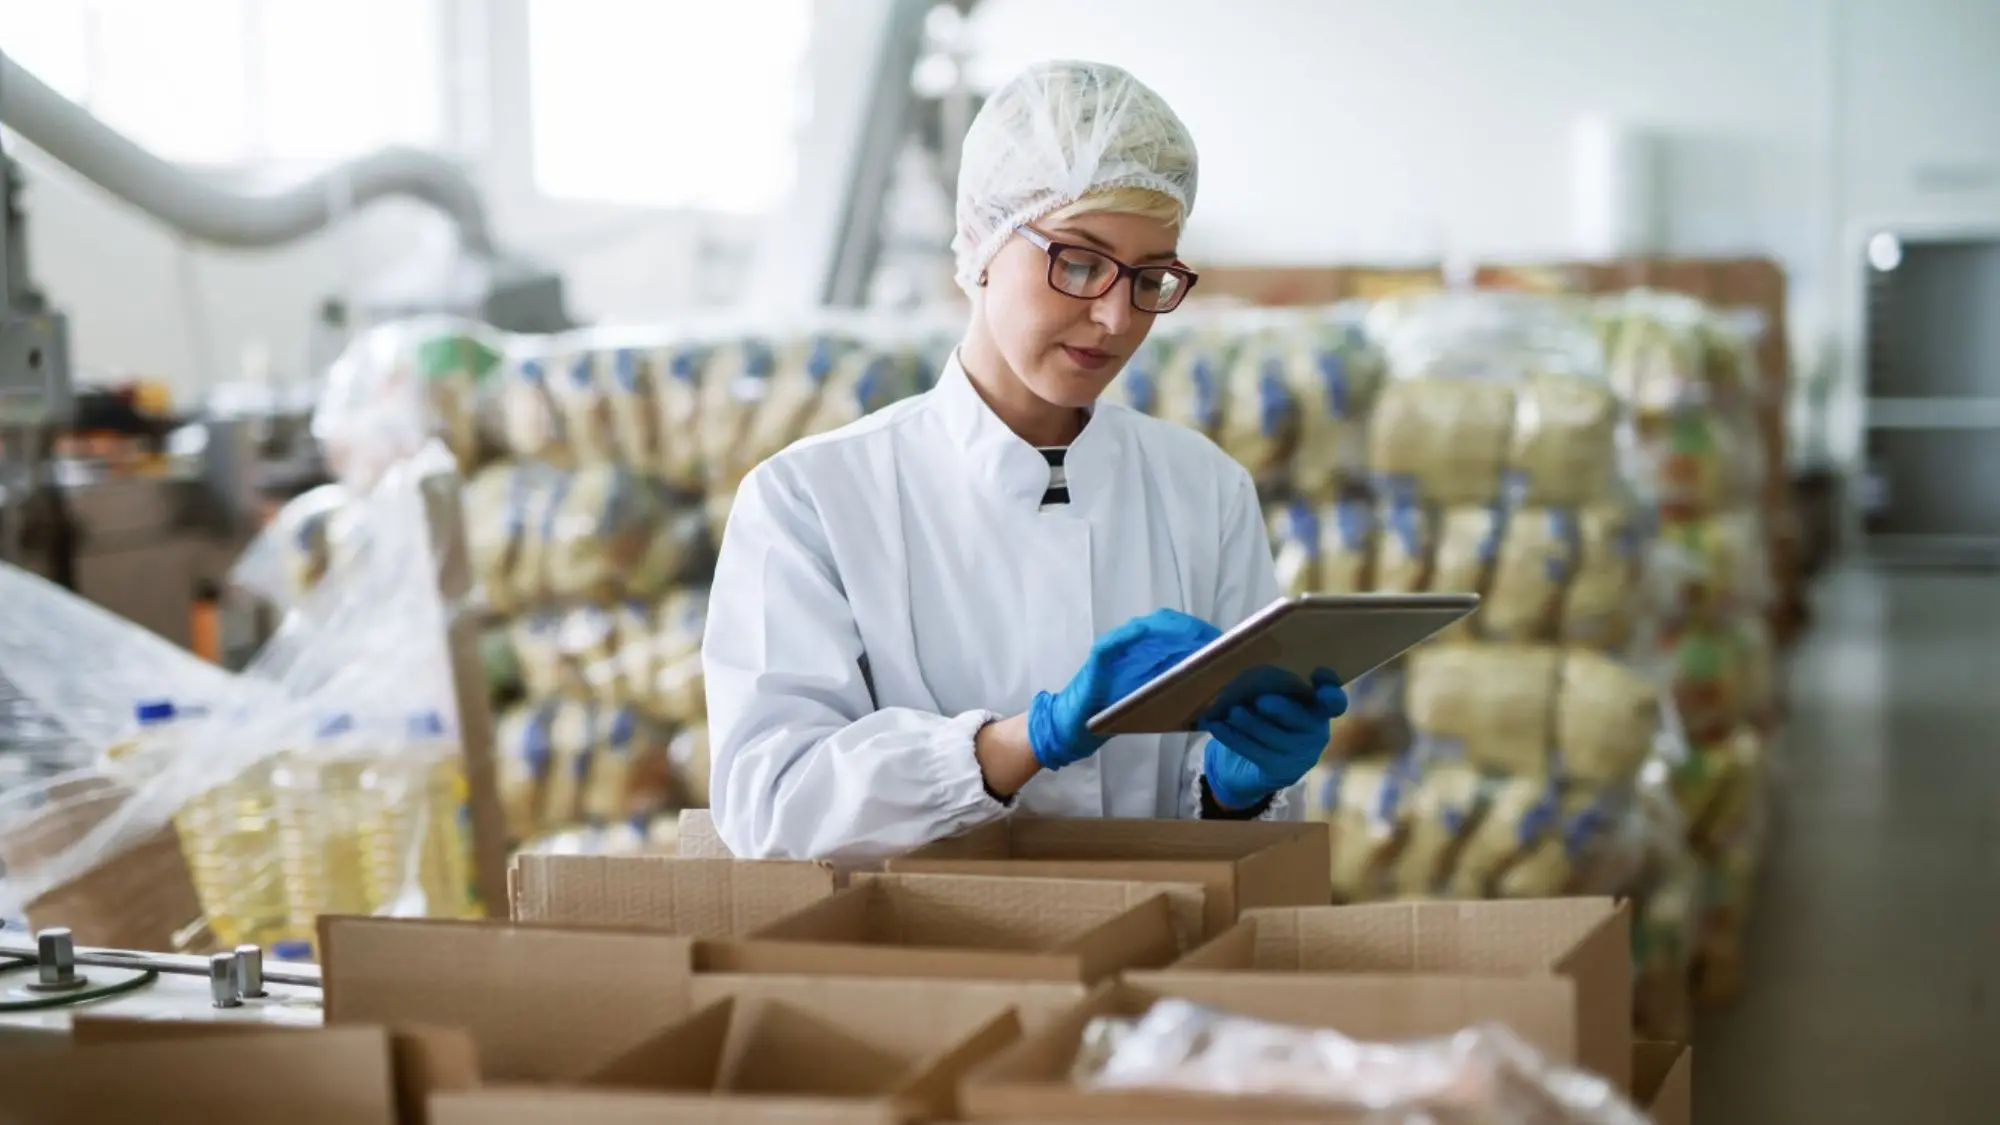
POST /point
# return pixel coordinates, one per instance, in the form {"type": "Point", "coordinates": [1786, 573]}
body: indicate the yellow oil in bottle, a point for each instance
{"type": "Point", "coordinates": [420, 855]}
{"type": "Point", "coordinates": [229, 836]}
{"type": "Point", "coordinates": [326, 814]}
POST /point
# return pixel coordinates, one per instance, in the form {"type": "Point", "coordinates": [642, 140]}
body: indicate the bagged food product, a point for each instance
{"type": "Point", "coordinates": [1533, 565]}
{"type": "Point", "coordinates": [688, 756]}
{"type": "Point", "coordinates": [715, 513]}
{"type": "Point", "coordinates": [600, 533]}
{"type": "Point", "coordinates": [863, 381]}
{"type": "Point", "coordinates": [599, 654]}
{"type": "Point", "coordinates": [791, 396]}
{"type": "Point", "coordinates": [567, 763]}
{"type": "Point", "coordinates": [1563, 448]}
{"type": "Point", "coordinates": [1604, 600]}
{"type": "Point", "coordinates": [1468, 541]}
{"type": "Point", "coordinates": [1258, 421]}
{"type": "Point", "coordinates": [1335, 378]}
{"type": "Point", "coordinates": [1442, 440]}
{"type": "Point", "coordinates": [1374, 722]}
{"type": "Point", "coordinates": [581, 387]}
{"type": "Point", "coordinates": [533, 423]}
{"type": "Point", "coordinates": [677, 688]}
{"type": "Point", "coordinates": [678, 396]}
{"type": "Point", "coordinates": [400, 384]}
{"type": "Point", "coordinates": [1191, 384]}
{"type": "Point", "coordinates": [1714, 567]}
{"type": "Point", "coordinates": [535, 640]}
{"type": "Point", "coordinates": [1440, 809]}
{"type": "Point", "coordinates": [1492, 706]}
{"type": "Point", "coordinates": [1347, 547]}
{"type": "Point", "coordinates": [496, 531]}
{"type": "Point", "coordinates": [1405, 548]}
{"type": "Point", "coordinates": [1515, 815]}
{"type": "Point", "coordinates": [734, 385]}
{"type": "Point", "coordinates": [1295, 538]}
{"type": "Point", "coordinates": [1709, 670]}
{"type": "Point", "coordinates": [1606, 719]}
{"type": "Point", "coordinates": [1362, 803]}
{"type": "Point", "coordinates": [628, 377]}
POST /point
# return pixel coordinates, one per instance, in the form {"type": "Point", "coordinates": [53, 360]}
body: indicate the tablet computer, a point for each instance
{"type": "Point", "coordinates": [1277, 649]}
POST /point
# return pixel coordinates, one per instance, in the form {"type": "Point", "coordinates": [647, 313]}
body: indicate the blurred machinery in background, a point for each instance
{"type": "Point", "coordinates": [89, 495]}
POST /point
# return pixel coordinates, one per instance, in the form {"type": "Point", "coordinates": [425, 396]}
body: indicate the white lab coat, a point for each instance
{"type": "Point", "coordinates": [886, 589]}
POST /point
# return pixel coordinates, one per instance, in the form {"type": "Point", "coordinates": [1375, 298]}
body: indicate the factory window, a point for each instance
{"type": "Point", "coordinates": [667, 103]}
{"type": "Point", "coordinates": [240, 82]}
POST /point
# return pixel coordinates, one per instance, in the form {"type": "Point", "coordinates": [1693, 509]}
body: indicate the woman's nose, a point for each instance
{"type": "Point", "coordinates": [1113, 311]}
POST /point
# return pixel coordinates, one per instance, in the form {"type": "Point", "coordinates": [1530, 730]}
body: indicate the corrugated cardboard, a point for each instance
{"type": "Point", "coordinates": [696, 897]}
{"type": "Point", "coordinates": [922, 1003]}
{"type": "Point", "coordinates": [309, 1077]}
{"type": "Point", "coordinates": [1663, 1082]}
{"type": "Point", "coordinates": [542, 1003]}
{"type": "Point", "coordinates": [423, 1060]}
{"type": "Point", "coordinates": [1241, 864]}
{"type": "Point", "coordinates": [744, 1056]}
{"type": "Point", "coordinates": [528, 1105]}
{"type": "Point", "coordinates": [695, 836]}
{"type": "Point", "coordinates": [962, 927]}
{"type": "Point", "coordinates": [1587, 940]}
{"type": "Point", "coordinates": [1030, 1081]}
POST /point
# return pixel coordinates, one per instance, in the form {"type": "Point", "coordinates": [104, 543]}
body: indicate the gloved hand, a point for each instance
{"type": "Point", "coordinates": [1120, 661]}
{"type": "Point", "coordinates": [1267, 744]}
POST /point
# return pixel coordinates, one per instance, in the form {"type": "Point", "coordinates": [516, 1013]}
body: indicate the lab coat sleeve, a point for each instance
{"type": "Point", "coordinates": [804, 766]}
{"type": "Point", "coordinates": [1247, 582]}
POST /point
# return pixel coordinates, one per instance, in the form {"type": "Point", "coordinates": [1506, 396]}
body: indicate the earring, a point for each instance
{"type": "Point", "coordinates": [982, 279]}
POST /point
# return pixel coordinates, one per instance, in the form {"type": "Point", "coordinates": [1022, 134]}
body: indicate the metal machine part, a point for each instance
{"type": "Point", "coordinates": [46, 982]}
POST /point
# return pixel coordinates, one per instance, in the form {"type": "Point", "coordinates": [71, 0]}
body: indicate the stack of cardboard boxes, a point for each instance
{"type": "Point", "coordinates": [956, 984]}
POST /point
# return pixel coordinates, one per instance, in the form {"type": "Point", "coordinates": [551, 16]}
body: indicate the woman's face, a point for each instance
{"type": "Point", "coordinates": [1065, 349]}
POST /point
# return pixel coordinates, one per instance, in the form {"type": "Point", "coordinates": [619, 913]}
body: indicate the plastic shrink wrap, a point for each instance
{"type": "Point", "coordinates": [1484, 1075]}
{"type": "Point", "coordinates": [183, 807]}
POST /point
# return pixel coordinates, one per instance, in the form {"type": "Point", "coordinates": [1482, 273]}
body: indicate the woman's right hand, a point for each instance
{"type": "Point", "coordinates": [1120, 662]}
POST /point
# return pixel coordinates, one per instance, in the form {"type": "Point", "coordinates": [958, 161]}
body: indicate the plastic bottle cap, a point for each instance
{"type": "Point", "coordinates": [334, 725]}
{"type": "Point", "coordinates": [154, 711]}
{"type": "Point", "coordinates": [427, 724]}
{"type": "Point", "coordinates": [293, 949]}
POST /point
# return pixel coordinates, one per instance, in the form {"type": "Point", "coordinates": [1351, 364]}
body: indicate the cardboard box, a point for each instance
{"type": "Point", "coordinates": [963, 927]}
{"type": "Point", "coordinates": [1241, 864]}
{"type": "Point", "coordinates": [542, 1003]}
{"type": "Point", "coordinates": [335, 1076]}
{"type": "Point", "coordinates": [1035, 1003]}
{"type": "Point", "coordinates": [1030, 1081]}
{"type": "Point", "coordinates": [695, 897]}
{"type": "Point", "coordinates": [1586, 940]}
{"type": "Point", "coordinates": [1663, 1082]}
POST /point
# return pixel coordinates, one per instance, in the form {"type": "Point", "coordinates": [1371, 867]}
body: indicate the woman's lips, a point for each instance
{"type": "Point", "coordinates": [1090, 359]}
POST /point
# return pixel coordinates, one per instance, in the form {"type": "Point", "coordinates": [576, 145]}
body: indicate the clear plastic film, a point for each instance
{"type": "Point", "coordinates": [1484, 1074]}
{"type": "Point", "coordinates": [195, 807]}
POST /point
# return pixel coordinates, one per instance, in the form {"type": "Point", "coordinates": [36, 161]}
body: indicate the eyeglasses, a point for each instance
{"type": "Point", "coordinates": [1086, 274]}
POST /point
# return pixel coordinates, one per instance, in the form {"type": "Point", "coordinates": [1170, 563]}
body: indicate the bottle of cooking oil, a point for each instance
{"type": "Point", "coordinates": [325, 817]}
{"type": "Point", "coordinates": [229, 835]}
{"type": "Point", "coordinates": [423, 856]}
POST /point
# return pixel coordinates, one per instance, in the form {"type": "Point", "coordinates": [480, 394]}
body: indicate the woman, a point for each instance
{"type": "Point", "coordinates": [914, 616]}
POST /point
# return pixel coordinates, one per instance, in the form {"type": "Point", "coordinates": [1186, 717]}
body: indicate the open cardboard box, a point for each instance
{"type": "Point", "coordinates": [1241, 864]}
{"type": "Point", "coordinates": [695, 897]}
{"type": "Point", "coordinates": [1584, 940]}
{"type": "Point", "coordinates": [963, 927]}
{"type": "Point", "coordinates": [872, 1063]}
{"type": "Point", "coordinates": [1030, 1081]}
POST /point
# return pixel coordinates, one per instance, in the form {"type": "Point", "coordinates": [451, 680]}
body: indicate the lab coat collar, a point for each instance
{"type": "Point", "coordinates": [998, 457]}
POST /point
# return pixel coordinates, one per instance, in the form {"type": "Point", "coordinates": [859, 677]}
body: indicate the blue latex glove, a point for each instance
{"type": "Point", "coordinates": [1120, 662]}
{"type": "Point", "coordinates": [1267, 743]}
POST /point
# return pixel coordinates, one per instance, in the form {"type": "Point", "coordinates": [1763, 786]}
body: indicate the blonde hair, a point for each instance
{"type": "Point", "coordinates": [1143, 202]}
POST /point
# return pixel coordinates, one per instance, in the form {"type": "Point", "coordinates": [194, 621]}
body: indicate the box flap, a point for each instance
{"type": "Point", "coordinates": [1663, 1082]}
{"type": "Point", "coordinates": [336, 1076]}
{"type": "Point", "coordinates": [911, 1016]}
{"type": "Point", "coordinates": [697, 897]}
{"type": "Point", "coordinates": [541, 1003]}
{"type": "Point", "coordinates": [963, 927]}
{"type": "Point", "coordinates": [528, 1105]}
{"type": "Point", "coordinates": [685, 1057]}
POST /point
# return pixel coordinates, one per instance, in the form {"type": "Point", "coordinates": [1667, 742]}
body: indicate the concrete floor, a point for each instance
{"type": "Point", "coordinates": [1873, 968]}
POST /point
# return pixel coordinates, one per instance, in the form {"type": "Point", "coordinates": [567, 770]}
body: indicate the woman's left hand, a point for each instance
{"type": "Point", "coordinates": [1267, 744]}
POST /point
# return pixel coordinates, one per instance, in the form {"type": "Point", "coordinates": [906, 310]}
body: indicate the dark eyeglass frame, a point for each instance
{"type": "Point", "coordinates": [1055, 249]}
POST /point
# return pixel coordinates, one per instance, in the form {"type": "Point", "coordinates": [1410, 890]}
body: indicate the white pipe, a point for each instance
{"type": "Point", "coordinates": [201, 211]}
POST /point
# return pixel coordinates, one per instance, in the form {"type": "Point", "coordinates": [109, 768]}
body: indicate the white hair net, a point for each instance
{"type": "Point", "coordinates": [1053, 134]}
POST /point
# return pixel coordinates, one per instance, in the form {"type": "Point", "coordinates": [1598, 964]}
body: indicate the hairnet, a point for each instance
{"type": "Point", "coordinates": [1053, 134]}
